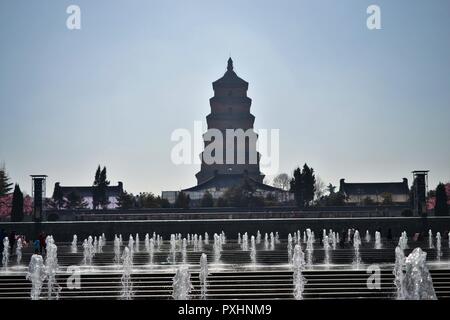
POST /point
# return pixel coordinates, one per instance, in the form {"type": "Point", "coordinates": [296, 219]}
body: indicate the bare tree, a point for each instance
{"type": "Point", "coordinates": [319, 188]}
{"type": "Point", "coordinates": [282, 181]}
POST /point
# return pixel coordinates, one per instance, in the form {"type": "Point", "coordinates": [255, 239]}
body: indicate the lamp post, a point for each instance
{"type": "Point", "coordinates": [38, 192]}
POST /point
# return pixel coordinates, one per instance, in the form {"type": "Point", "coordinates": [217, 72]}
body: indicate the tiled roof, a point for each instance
{"type": "Point", "coordinates": [86, 191]}
{"type": "Point", "coordinates": [223, 181]}
{"type": "Point", "coordinates": [374, 188]}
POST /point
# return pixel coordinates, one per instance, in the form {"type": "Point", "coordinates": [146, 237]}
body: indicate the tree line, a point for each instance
{"type": "Point", "coordinates": [307, 188]}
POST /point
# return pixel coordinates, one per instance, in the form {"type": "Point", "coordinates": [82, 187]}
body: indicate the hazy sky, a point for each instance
{"type": "Point", "coordinates": [354, 103]}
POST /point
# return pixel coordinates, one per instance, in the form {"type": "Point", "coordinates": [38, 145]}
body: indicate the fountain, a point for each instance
{"type": "Point", "coordinates": [147, 242]}
{"type": "Point", "coordinates": [217, 248]}
{"type": "Point", "coordinates": [127, 284]}
{"type": "Point", "coordinates": [334, 240]}
{"type": "Point", "coordinates": [430, 239]}
{"type": "Point", "coordinates": [203, 276]}
{"type": "Point", "coordinates": [403, 241]}
{"type": "Point", "coordinates": [131, 245]}
{"type": "Point", "coordinates": [19, 251]}
{"type": "Point", "coordinates": [299, 281]}
{"type": "Point", "coordinates": [95, 246]}
{"type": "Point", "coordinates": [266, 242]}
{"type": "Point", "coordinates": [101, 243]}
{"type": "Point", "coordinates": [326, 248]}
{"type": "Point", "coordinates": [309, 248]}
{"type": "Point", "coordinates": [159, 242]}
{"type": "Point", "coordinates": [200, 243]}
{"type": "Point", "coordinates": [438, 246]}
{"type": "Point", "coordinates": [51, 268]}
{"type": "Point", "coordinates": [258, 237]}
{"type": "Point", "coordinates": [399, 272]}
{"type": "Point", "coordinates": [151, 250]}
{"type": "Point", "coordinates": [173, 246]}
{"type": "Point", "coordinates": [356, 245]}
{"type": "Point", "coordinates": [116, 250]}
{"type": "Point", "coordinates": [88, 251]}
{"type": "Point", "coordinates": [136, 245]}
{"type": "Point", "coordinates": [289, 248]}
{"type": "Point", "coordinates": [448, 236]}
{"type": "Point", "coordinates": [73, 247]}
{"type": "Point", "coordinates": [5, 259]}
{"type": "Point", "coordinates": [36, 274]}
{"type": "Point", "coordinates": [368, 237]}
{"type": "Point", "coordinates": [239, 239]}
{"type": "Point", "coordinates": [417, 283]}
{"type": "Point", "coordinates": [183, 250]}
{"type": "Point", "coordinates": [182, 284]}
{"type": "Point", "coordinates": [206, 238]}
{"type": "Point", "coordinates": [272, 241]}
{"type": "Point", "coordinates": [244, 245]}
{"type": "Point", "coordinates": [253, 250]}
{"type": "Point", "coordinates": [196, 243]}
{"type": "Point", "coordinates": [377, 240]}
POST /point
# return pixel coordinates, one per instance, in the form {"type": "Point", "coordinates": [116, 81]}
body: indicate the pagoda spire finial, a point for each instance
{"type": "Point", "coordinates": [230, 64]}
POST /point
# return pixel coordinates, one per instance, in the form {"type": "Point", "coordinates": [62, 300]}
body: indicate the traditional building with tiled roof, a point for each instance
{"type": "Point", "coordinates": [358, 193]}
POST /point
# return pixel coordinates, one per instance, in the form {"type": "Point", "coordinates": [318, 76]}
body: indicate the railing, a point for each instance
{"type": "Point", "coordinates": [228, 215]}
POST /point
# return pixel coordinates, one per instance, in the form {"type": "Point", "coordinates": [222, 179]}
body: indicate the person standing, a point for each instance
{"type": "Point", "coordinates": [42, 242]}
{"type": "Point", "coordinates": [12, 241]}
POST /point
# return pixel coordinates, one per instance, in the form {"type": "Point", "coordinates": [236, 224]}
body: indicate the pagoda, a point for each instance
{"type": "Point", "coordinates": [230, 109]}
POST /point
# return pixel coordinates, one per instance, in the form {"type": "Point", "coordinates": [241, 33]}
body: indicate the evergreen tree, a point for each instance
{"type": "Point", "coordinates": [163, 203]}
{"type": "Point", "coordinates": [335, 199]}
{"type": "Point", "coordinates": [103, 186]}
{"type": "Point", "coordinates": [303, 185]}
{"type": "Point", "coordinates": [125, 200]}
{"type": "Point", "coordinates": [97, 176]}
{"type": "Point", "coordinates": [207, 200]}
{"type": "Point", "coordinates": [95, 189]}
{"type": "Point", "coordinates": [75, 201]}
{"type": "Point", "coordinates": [441, 207]}
{"type": "Point", "coordinates": [5, 185]}
{"type": "Point", "coordinates": [297, 187]}
{"type": "Point", "coordinates": [331, 189]}
{"type": "Point", "coordinates": [309, 180]}
{"type": "Point", "coordinates": [17, 205]}
{"type": "Point", "coordinates": [100, 189]}
{"type": "Point", "coordinates": [147, 200]}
